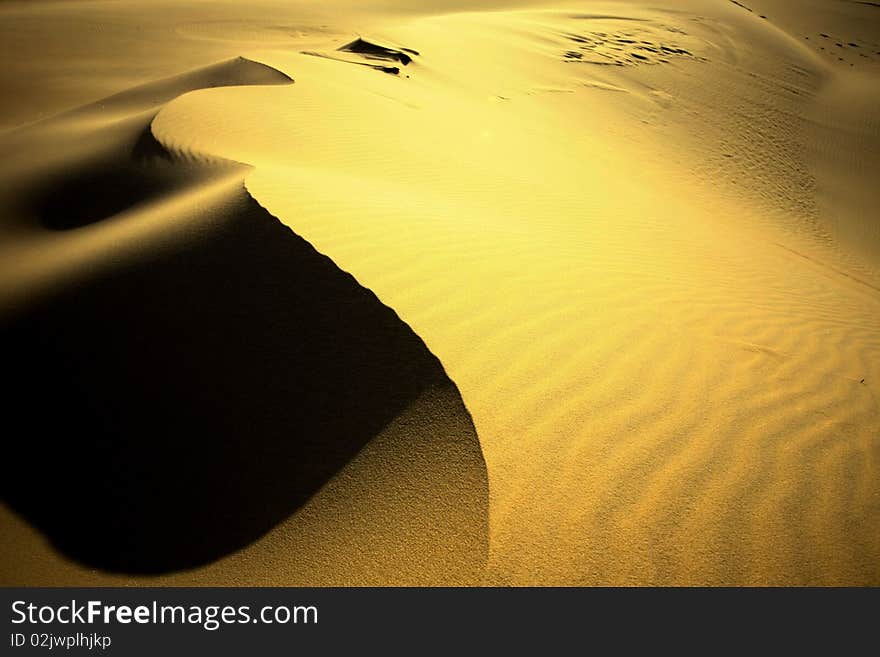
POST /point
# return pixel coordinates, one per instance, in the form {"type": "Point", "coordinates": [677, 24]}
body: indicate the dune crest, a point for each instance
{"type": "Point", "coordinates": [219, 397]}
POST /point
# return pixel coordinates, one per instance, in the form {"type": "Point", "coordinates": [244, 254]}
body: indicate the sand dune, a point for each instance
{"type": "Point", "coordinates": [94, 163]}
{"type": "Point", "coordinates": [203, 391]}
{"type": "Point", "coordinates": [639, 241]}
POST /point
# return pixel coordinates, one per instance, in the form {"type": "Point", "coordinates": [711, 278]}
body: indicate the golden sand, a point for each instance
{"type": "Point", "coordinates": [642, 241]}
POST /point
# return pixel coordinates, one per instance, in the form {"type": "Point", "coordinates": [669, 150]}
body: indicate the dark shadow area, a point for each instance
{"type": "Point", "coordinates": [109, 185]}
{"type": "Point", "coordinates": [83, 198]}
{"type": "Point", "coordinates": [148, 149]}
{"type": "Point", "coordinates": [172, 410]}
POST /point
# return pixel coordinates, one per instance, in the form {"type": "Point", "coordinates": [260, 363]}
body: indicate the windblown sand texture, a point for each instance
{"type": "Point", "coordinates": [505, 293]}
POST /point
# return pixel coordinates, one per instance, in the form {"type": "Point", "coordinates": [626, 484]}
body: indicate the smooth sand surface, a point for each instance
{"type": "Point", "coordinates": [590, 291]}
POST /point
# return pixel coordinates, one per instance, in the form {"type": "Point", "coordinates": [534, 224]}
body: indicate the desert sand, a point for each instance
{"type": "Point", "coordinates": [481, 293]}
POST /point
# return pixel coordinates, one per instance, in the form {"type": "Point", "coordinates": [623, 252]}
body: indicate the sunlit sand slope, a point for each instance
{"type": "Point", "coordinates": [641, 240]}
{"type": "Point", "coordinates": [611, 225]}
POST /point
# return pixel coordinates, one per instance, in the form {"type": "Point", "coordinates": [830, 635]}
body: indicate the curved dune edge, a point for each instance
{"type": "Point", "coordinates": [242, 329]}
{"type": "Point", "coordinates": [666, 390]}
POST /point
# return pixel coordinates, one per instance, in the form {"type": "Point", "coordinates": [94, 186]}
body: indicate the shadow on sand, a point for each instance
{"type": "Point", "coordinates": [175, 408]}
